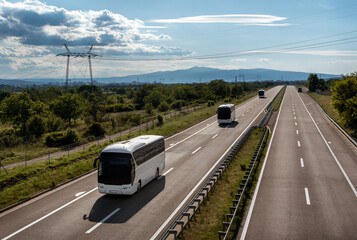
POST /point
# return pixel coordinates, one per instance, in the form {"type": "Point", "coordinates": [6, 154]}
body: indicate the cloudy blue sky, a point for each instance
{"type": "Point", "coordinates": [140, 36]}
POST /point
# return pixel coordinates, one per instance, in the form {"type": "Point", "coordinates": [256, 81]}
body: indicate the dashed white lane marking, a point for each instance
{"type": "Point", "coordinates": [167, 172]}
{"type": "Point", "coordinates": [299, 145]}
{"type": "Point", "coordinates": [49, 214]}
{"type": "Point", "coordinates": [103, 220]}
{"type": "Point", "coordinates": [297, 131]}
{"type": "Point", "coordinates": [79, 194]}
{"type": "Point", "coordinates": [171, 144]}
{"type": "Point", "coordinates": [302, 162]}
{"type": "Point", "coordinates": [307, 196]}
{"type": "Point", "coordinates": [295, 123]}
{"type": "Point", "coordinates": [196, 150]}
{"type": "Point", "coordinates": [189, 136]}
{"type": "Point", "coordinates": [215, 136]}
{"type": "Point", "coordinates": [294, 113]}
{"type": "Point", "coordinates": [329, 148]}
{"type": "Point", "coordinates": [329, 142]}
{"type": "Point", "coordinates": [242, 114]}
{"type": "Point", "coordinates": [294, 118]}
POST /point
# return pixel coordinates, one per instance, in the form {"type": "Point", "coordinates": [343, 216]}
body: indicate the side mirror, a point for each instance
{"type": "Point", "coordinates": [95, 162]}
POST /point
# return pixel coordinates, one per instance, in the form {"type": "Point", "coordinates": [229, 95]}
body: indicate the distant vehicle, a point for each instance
{"type": "Point", "coordinates": [125, 167]}
{"type": "Point", "coordinates": [226, 114]}
{"type": "Point", "coordinates": [299, 89]}
{"type": "Point", "coordinates": [261, 93]}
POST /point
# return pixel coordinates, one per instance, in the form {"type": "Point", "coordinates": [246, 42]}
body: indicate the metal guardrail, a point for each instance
{"type": "Point", "coordinates": [270, 111]}
{"type": "Point", "coordinates": [233, 210]}
{"type": "Point", "coordinates": [193, 206]}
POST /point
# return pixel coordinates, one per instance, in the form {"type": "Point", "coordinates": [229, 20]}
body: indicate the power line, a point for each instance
{"type": "Point", "coordinates": [254, 51]}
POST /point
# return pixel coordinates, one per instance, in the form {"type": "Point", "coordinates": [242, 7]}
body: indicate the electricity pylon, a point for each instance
{"type": "Point", "coordinates": [88, 54]}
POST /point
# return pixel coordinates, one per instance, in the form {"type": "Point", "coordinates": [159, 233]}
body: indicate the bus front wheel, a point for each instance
{"type": "Point", "coordinates": [139, 187]}
{"type": "Point", "coordinates": [157, 174]}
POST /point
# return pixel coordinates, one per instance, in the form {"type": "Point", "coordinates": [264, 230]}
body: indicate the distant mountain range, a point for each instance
{"type": "Point", "coordinates": [191, 75]}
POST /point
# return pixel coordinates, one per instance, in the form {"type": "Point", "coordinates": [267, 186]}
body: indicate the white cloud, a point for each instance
{"type": "Point", "coordinates": [264, 60]}
{"type": "Point", "coordinates": [247, 19]}
{"type": "Point", "coordinates": [239, 60]}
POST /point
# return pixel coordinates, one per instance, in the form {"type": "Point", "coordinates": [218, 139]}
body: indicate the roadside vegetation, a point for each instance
{"type": "Point", "coordinates": [338, 97]}
{"type": "Point", "coordinates": [20, 183]}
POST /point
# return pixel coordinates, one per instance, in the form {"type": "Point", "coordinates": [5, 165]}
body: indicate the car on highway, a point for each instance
{"type": "Point", "coordinates": [299, 89]}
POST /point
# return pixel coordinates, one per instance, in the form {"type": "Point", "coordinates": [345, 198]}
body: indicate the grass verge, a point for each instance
{"type": "Point", "coordinates": [325, 102]}
{"type": "Point", "coordinates": [213, 212]}
{"type": "Point", "coordinates": [20, 183]}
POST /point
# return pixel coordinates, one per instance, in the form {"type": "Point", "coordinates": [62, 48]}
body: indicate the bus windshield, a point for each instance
{"type": "Point", "coordinates": [115, 168]}
{"type": "Point", "coordinates": [224, 113]}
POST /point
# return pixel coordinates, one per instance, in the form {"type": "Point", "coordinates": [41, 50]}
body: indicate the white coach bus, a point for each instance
{"type": "Point", "coordinates": [226, 113]}
{"type": "Point", "coordinates": [125, 167]}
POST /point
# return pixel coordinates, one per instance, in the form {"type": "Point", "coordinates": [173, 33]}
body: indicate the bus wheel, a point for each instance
{"type": "Point", "coordinates": [139, 187]}
{"type": "Point", "coordinates": [157, 174]}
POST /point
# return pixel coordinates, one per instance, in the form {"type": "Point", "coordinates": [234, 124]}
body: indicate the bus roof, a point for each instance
{"type": "Point", "coordinates": [226, 106]}
{"type": "Point", "coordinates": [129, 146]}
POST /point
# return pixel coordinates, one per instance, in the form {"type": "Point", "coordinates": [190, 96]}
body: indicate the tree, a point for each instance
{"type": "Point", "coordinates": [344, 99]}
{"type": "Point", "coordinates": [148, 108]}
{"type": "Point", "coordinates": [237, 90]}
{"type": "Point", "coordinates": [314, 83]}
{"type": "Point", "coordinates": [220, 88]}
{"type": "Point", "coordinates": [67, 107]}
{"type": "Point", "coordinates": [95, 107]}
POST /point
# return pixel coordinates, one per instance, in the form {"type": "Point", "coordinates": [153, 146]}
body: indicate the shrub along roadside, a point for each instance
{"type": "Point", "coordinates": [20, 183]}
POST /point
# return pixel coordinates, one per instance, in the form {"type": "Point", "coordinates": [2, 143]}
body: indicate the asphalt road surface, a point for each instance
{"type": "Point", "coordinates": [307, 189]}
{"type": "Point", "coordinates": [77, 211]}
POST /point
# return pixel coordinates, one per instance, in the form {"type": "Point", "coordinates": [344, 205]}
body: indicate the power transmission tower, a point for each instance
{"type": "Point", "coordinates": [88, 54]}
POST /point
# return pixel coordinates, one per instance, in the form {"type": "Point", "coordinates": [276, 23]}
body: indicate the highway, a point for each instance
{"type": "Point", "coordinates": [77, 211]}
{"type": "Point", "coordinates": [307, 187]}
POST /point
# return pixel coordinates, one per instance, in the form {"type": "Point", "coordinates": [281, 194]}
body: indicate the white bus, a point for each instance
{"type": "Point", "coordinates": [125, 167]}
{"type": "Point", "coordinates": [261, 93]}
{"type": "Point", "coordinates": [226, 114]}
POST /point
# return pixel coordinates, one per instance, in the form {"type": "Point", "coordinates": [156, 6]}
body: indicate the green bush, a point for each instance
{"type": "Point", "coordinates": [163, 107]}
{"type": "Point", "coordinates": [210, 103]}
{"type": "Point", "coordinates": [178, 104]}
{"type": "Point", "coordinates": [160, 120]}
{"type": "Point", "coordinates": [227, 99]}
{"type": "Point", "coordinates": [120, 107]}
{"type": "Point", "coordinates": [8, 138]}
{"type": "Point", "coordinates": [36, 126]}
{"type": "Point", "coordinates": [59, 139]}
{"type": "Point", "coordinates": [96, 130]}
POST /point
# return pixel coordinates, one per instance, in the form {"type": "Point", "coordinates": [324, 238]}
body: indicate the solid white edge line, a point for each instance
{"type": "Point", "coordinates": [102, 221]}
{"type": "Point", "coordinates": [307, 196]}
{"type": "Point", "coordinates": [302, 162]}
{"type": "Point", "coordinates": [329, 148]}
{"type": "Point", "coordinates": [196, 150]}
{"type": "Point", "coordinates": [246, 224]}
{"type": "Point", "coordinates": [49, 214]}
{"type": "Point", "coordinates": [215, 136]}
{"type": "Point", "coordinates": [200, 182]}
